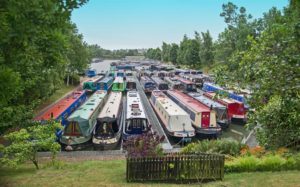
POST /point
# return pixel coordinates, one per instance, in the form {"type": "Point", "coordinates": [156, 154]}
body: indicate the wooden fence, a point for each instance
{"type": "Point", "coordinates": [184, 168]}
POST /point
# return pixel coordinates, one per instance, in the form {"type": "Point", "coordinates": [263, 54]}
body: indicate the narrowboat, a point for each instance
{"type": "Point", "coordinates": [119, 85]}
{"type": "Point", "coordinates": [136, 121]}
{"type": "Point", "coordinates": [91, 84]}
{"type": "Point", "coordinates": [148, 73]}
{"type": "Point", "coordinates": [173, 83]}
{"type": "Point", "coordinates": [220, 109]}
{"type": "Point", "coordinates": [175, 120]}
{"type": "Point", "coordinates": [81, 123]}
{"type": "Point", "coordinates": [197, 79]}
{"type": "Point", "coordinates": [91, 72]}
{"type": "Point", "coordinates": [209, 87]}
{"type": "Point", "coordinates": [105, 84]}
{"type": "Point", "coordinates": [108, 130]}
{"type": "Point", "coordinates": [63, 108]}
{"type": "Point", "coordinates": [235, 109]}
{"type": "Point", "coordinates": [160, 84]}
{"type": "Point", "coordinates": [130, 83]}
{"type": "Point", "coordinates": [128, 73]}
{"type": "Point", "coordinates": [120, 73]}
{"type": "Point", "coordinates": [203, 118]}
{"type": "Point", "coordinates": [147, 84]}
{"type": "Point", "coordinates": [188, 86]}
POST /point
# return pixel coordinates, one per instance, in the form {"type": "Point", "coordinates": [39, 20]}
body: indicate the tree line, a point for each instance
{"type": "Point", "coordinates": [259, 54]}
{"type": "Point", "coordinates": [39, 48]}
{"type": "Point", "coordinates": [98, 52]}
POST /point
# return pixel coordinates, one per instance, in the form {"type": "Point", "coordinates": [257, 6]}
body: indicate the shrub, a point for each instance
{"type": "Point", "coordinates": [265, 163]}
{"type": "Point", "coordinates": [147, 144]}
{"type": "Point", "coordinates": [228, 147]}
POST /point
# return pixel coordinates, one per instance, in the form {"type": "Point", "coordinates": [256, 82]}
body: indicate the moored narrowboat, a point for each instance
{"type": "Point", "coordinates": [188, 86]}
{"type": "Point", "coordinates": [108, 130]}
{"type": "Point", "coordinates": [119, 84]}
{"type": "Point", "coordinates": [160, 84]}
{"type": "Point", "coordinates": [91, 84]}
{"type": "Point", "coordinates": [136, 121]}
{"type": "Point", "coordinates": [82, 122]}
{"type": "Point", "coordinates": [63, 108]}
{"type": "Point", "coordinates": [105, 84]}
{"type": "Point", "coordinates": [175, 120]}
{"type": "Point", "coordinates": [130, 83]}
{"type": "Point", "coordinates": [147, 84]}
{"type": "Point", "coordinates": [203, 119]}
{"type": "Point", "coordinates": [220, 109]}
{"type": "Point", "coordinates": [235, 109]}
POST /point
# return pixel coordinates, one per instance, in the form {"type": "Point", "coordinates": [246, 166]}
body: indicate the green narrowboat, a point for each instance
{"type": "Point", "coordinates": [119, 84]}
{"type": "Point", "coordinates": [81, 123]}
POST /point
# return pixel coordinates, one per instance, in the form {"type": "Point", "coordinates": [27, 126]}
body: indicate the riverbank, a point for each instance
{"type": "Point", "coordinates": [113, 173]}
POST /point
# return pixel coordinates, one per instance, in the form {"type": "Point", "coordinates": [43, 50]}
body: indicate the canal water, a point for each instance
{"type": "Point", "coordinates": [235, 131]}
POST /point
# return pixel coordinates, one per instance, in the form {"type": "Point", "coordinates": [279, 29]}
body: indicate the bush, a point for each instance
{"type": "Point", "coordinates": [147, 144]}
{"type": "Point", "coordinates": [228, 147]}
{"type": "Point", "coordinates": [265, 163]}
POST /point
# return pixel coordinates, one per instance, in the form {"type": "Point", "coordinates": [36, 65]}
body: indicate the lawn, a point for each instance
{"type": "Point", "coordinates": [57, 95]}
{"type": "Point", "coordinates": [112, 173]}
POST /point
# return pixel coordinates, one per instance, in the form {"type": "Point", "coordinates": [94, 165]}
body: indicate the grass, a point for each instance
{"type": "Point", "coordinates": [112, 173]}
{"type": "Point", "coordinates": [57, 95]}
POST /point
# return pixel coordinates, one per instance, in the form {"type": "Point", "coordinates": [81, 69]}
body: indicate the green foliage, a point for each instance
{"type": "Point", "coordinates": [269, 162]}
{"type": "Point", "coordinates": [26, 142]}
{"type": "Point", "coordinates": [97, 52]}
{"type": "Point", "coordinates": [38, 46]}
{"type": "Point", "coordinates": [227, 147]}
{"type": "Point", "coordinates": [154, 54]}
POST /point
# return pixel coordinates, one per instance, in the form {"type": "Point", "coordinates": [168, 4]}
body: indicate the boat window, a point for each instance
{"type": "Point", "coordinates": [72, 129]}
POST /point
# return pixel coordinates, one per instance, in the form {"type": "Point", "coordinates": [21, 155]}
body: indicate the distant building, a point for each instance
{"type": "Point", "coordinates": [134, 58]}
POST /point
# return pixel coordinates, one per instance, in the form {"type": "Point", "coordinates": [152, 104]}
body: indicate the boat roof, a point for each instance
{"type": "Point", "coordinates": [87, 109]}
{"type": "Point", "coordinates": [106, 79]}
{"type": "Point", "coordinates": [60, 106]}
{"type": "Point", "coordinates": [205, 100]}
{"type": "Point", "coordinates": [158, 80]}
{"type": "Point", "coordinates": [119, 80]}
{"type": "Point", "coordinates": [189, 101]}
{"type": "Point", "coordinates": [111, 108]}
{"type": "Point", "coordinates": [146, 78]}
{"type": "Point", "coordinates": [213, 85]}
{"type": "Point", "coordinates": [226, 100]}
{"type": "Point", "coordinates": [94, 79]}
{"type": "Point", "coordinates": [130, 79]}
{"type": "Point", "coordinates": [170, 106]}
{"type": "Point", "coordinates": [185, 81]}
{"type": "Point", "coordinates": [133, 99]}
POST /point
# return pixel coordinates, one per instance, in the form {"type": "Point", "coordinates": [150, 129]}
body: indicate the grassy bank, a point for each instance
{"type": "Point", "coordinates": [112, 173]}
{"type": "Point", "coordinates": [57, 95]}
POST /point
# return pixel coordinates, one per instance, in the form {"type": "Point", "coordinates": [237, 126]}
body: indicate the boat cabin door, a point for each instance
{"type": "Point", "coordinates": [205, 119]}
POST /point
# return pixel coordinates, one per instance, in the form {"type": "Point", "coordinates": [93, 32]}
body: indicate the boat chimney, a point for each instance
{"type": "Point", "coordinates": [51, 115]}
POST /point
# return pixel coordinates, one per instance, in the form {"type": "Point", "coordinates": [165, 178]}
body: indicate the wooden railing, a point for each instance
{"type": "Point", "coordinates": [180, 168]}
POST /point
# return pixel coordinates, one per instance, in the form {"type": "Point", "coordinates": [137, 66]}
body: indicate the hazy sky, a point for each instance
{"type": "Point", "coordinates": [115, 24]}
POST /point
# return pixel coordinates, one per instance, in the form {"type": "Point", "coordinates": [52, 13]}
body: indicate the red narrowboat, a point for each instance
{"type": "Point", "coordinates": [202, 117]}
{"type": "Point", "coordinates": [235, 108]}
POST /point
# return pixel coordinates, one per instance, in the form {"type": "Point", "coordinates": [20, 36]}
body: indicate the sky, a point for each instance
{"type": "Point", "coordinates": [131, 24]}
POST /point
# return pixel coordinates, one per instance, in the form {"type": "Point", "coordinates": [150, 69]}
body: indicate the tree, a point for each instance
{"type": "Point", "coordinates": [34, 41]}
{"type": "Point", "coordinates": [165, 52]}
{"type": "Point", "coordinates": [174, 53]}
{"type": "Point", "coordinates": [27, 142]}
{"type": "Point", "coordinates": [206, 49]}
{"type": "Point", "coordinates": [270, 68]}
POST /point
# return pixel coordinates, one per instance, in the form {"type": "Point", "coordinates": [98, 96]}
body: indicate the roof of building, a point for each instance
{"type": "Point", "coordinates": [111, 108]}
{"type": "Point", "coordinates": [59, 107]}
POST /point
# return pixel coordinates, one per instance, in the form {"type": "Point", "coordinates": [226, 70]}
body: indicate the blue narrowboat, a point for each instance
{"type": "Point", "coordinates": [147, 84]}
{"type": "Point", "coordinates": [91, 72]}
{"type": "Point", "coordinates": [105, 84]}
{"type": "Point", "coordinates": [63, 108]}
